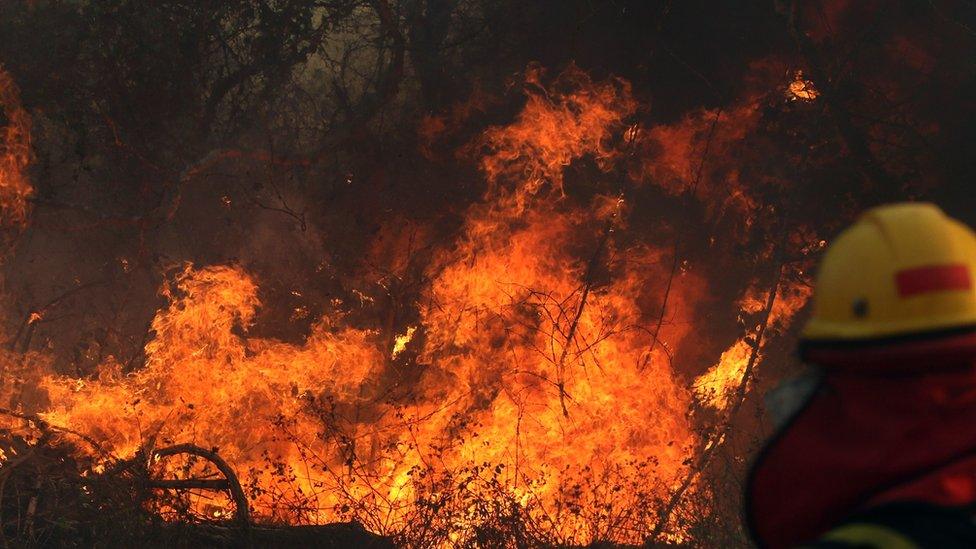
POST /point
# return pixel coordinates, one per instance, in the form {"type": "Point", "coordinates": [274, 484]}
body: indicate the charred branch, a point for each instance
{"type": "Point", "coordinates": [229, 482]}
{"type": "Point", "coordinates": [711, 444]}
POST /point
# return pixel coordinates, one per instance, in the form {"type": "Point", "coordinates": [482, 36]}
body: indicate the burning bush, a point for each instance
{"type": "Point", "coordinates": [320, 280]}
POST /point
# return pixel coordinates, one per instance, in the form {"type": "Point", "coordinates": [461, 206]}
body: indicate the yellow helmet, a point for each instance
{"type": "Point", "coordinates": [901, 270]}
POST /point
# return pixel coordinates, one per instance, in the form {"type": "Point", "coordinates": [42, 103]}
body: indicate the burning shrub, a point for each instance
{"type": "Point", "coordinates": [536, 327]}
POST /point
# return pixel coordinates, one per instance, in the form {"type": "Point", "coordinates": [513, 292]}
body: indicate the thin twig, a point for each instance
{"type": "Point", "coordinates": [675, 260]}
{"type": "Point", "coordinates": [712, 443]}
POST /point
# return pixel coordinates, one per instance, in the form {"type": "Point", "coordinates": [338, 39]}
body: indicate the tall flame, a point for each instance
{"type": "Point", "coordinates": [536, 390]}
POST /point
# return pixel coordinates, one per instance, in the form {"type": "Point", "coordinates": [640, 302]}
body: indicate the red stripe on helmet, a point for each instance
{"type": "Point", "coordinates": [937, 278]}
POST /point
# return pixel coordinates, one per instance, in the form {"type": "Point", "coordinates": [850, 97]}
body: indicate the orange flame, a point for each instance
{"type": "Point", "coordinates": [554, 128]}
{"type": "Point", "coordinates": [533, 387]}
{"type": "Point", "coordinates": [15, 155]}
{"type": "Point", "coordinates": [716, 386]}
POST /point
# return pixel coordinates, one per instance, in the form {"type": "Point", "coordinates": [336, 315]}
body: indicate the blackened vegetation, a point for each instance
{"type": "Point", "coordinates": [302, 123]}
{"type": "Point", "coordinates": [49, 497]}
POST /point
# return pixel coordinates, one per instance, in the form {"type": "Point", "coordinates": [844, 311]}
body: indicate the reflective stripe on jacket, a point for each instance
{"type": "Point", "coordinates": [902, 526]}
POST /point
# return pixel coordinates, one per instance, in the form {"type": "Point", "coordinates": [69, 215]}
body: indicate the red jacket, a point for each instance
{"type": "Point", "coordinates": [869, 435]}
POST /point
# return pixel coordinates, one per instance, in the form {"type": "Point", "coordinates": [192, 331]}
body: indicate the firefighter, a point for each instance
{"type": "Point", "coordinates": [881, 452]}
